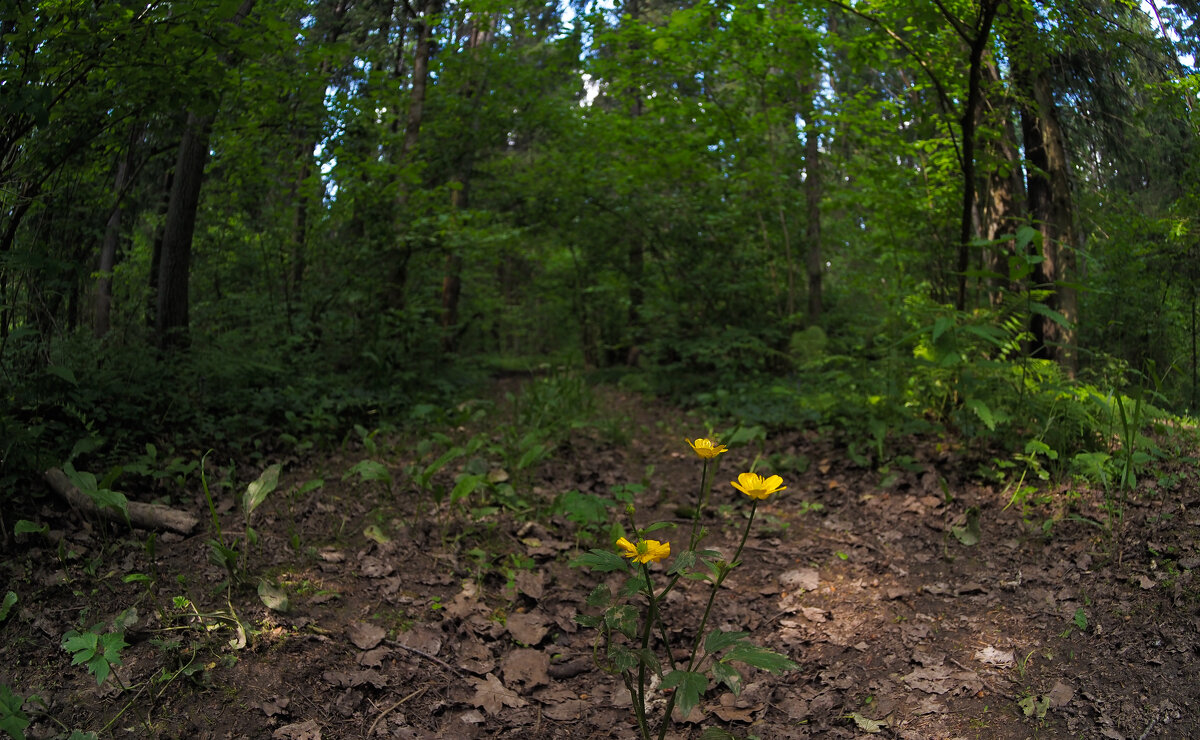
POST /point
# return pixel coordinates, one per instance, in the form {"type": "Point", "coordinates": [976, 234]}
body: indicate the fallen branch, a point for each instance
{"type": "Point", "coordinates": [145, 516]}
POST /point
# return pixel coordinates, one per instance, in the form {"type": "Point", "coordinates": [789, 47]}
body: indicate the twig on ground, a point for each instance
{"type": "Point", "coordinates": [427, 656]}
{"type": "Point", "coordinates": [384, 713]}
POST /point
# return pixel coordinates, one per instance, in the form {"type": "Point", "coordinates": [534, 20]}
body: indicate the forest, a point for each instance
{"type": "Point", "coordinates": [353, 354]}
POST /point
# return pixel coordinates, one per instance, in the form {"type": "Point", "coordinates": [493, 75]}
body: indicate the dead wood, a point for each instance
{"type": "Point", "coordinates": [145, 516]}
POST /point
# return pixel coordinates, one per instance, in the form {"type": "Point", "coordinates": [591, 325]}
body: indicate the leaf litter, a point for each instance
{"type": "Point", "coordinates": [923, 609]}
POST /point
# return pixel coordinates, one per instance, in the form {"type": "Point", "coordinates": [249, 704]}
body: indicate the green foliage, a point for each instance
{"type": "Point", "coordinates": [13, 719]}
{"type": "Point", "coordinates": [99, 651]}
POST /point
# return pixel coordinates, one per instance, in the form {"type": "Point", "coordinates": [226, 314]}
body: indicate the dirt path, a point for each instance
{"type": "Point", "coordinates": [417, 626]}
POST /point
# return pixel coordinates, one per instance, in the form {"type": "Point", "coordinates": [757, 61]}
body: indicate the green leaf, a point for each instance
{"type": "Point", "coordinates": [258, 491]}
{"type": "Point", "coordinates": [683, 561]}
{"type": "Point", "coordinates": [24, 526]}
{"type": "Point", "coordinates": [602, 561]}
{"type": "Point", "coordinates": [623, 618]}
{"type": "Point", "coordinates": [1034, 707]}
{"type": "Point", "coordinates": [374, 533]}
{"type": "Point", "coordinates": [310, 486]}
{"type": "Point", "coordinates": [659, 525]}
{"type": "Point", "coordinates": [717, 733]}
{"type": "Point", "coordinates": [10, 600]}
{"type": "Point", "coordinates": [623, 659]}
{"type": "Point", "coordinates": [969, 533]}
{"type": "Point", "coordinates": [759, 657]}
{"type": "Point", "coordinates": [465, 486]}
{"type": "Point", "coordinates": [729, 676]}
{"type": "Point", "coordinates": [983, 412]}
{"type": "Point", "coordinates": [601, 595]}
{"type": "Point", "coordinates": [99, 652]}
{"type": "Point", "coordinates": [273, 597]}
{"type": "Point", "coordinates": [873, 726]}
{"type": "Point", "coordinates": [1081, 620]}
{"type": "Point", "coordinates": [719, 640]}
{"type": "Point", "coordinates": [12, 719]}
{"type": "Point", "coordinates": [689, 687]}
{"type": "Point", "coordinates": [370, 470]}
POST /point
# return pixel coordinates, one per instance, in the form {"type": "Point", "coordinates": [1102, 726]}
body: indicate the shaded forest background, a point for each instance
{"type": "Point", "coordinates": [251, 225]}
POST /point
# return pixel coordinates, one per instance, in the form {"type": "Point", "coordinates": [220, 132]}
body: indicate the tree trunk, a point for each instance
{"type": "Point", "coordinates": [1048, 192]}
{"type": "Point", "coordinates": [812, 202]}
{"type": "Point", "coordinates": [171, 307]}
{"type": "Point", "coordinates": [969, 124]}
{"type": "Point", "coordinates": [102, 297]}
{"type": "Point", "coordinates": [1003, 189]}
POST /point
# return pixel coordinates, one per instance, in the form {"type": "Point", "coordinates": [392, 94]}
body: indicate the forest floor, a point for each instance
{"type": "Point", "coordinates": [409, 625]}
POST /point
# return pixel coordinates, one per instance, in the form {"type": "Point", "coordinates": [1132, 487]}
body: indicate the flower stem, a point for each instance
{"type": "Point", "coordinates": [712, 595]}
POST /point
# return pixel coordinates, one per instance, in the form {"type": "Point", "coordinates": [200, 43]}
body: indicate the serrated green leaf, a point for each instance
{"type": "Point", "coordinates": [12, 719]}
{"type": "Point", "coordinates": [623, 659]}
{"type": "Point", "coordinates": [689, 687]}
{"type": "Point", "coordinates": [623, 618]}
{"type": "Point", "coordinates": [719, 640]}
{"type": "Point", "coordinates": [10, 600]}
{"type": "Point", "coordinates": [729, 676]}
{"type": "Point", "coordinates": [601, 595]}
{"type": "Point", "coordinates": [602, 561]}
{"type": "Point", "coordinates": [1081, 620]}
{"type": "Point", "coordinates": [659, 525]}
{"type": "Point", "coordinates": [683, 562]}
{"type": "Point", "coordinates": [258, 491]}
{"type": "Point", "coordinates": [759, 657]}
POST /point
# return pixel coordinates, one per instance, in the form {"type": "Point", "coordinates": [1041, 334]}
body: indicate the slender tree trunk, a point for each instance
{"type": "Point", "coordinates": [171, 308]}
{"type": "Point", "coordinates": [1004, 189]}
{"type": "Point", "coordinates": [812, 202]}
{"type": "Point", "coordinates": [969, 123]}
{"type": "Point", "coordinates": [102, 297]}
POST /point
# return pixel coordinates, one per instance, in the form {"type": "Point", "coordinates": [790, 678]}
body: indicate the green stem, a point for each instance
{"type": "Point", "coordinates": [701, 500]}
{"type": "Point", "coordinates": [651, 618]}
{"type": "Point", "coordinates": [712, 595]}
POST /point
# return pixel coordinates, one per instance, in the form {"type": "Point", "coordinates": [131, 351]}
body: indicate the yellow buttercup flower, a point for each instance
{"type": "Point", "coordinates": [645, 551]}
{"type": "Point", "coordinates": [706, 449]}
{"type": "Point", "coordinates": [757, 487]}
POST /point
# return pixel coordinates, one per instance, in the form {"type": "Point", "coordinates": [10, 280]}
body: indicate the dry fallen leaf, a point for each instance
{"type": "Point", "coordinates": [365, 635]}
{"type": "Point", "coordinates": [992, 656]}
{"type": "Point", "coordinates": [528, 628]}
{"type": "Point", "coordinates": [490, 695]}
{"type": "Point", "coordinates": [526, 667]}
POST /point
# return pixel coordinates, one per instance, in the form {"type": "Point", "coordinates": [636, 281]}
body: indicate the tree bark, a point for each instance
{"type": "Point", "coordinates": [171, 307]}
{"type": "Point", "coordinates": [1048, 193]}
{"type": "Point", "coordinates": [1004, 189]}
{"type": "Point", "coordinates": [812, 202]}
{"type": "Point", "coordinates": [102, 297]}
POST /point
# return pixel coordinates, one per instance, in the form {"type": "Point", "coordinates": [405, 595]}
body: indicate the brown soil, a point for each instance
{"type": "Point", "coordinates": [460, 627]}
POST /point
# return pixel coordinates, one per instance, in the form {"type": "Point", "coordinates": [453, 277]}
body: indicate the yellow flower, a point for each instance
{"type": "Point", "coordinates": [645, 551]}
{"type": "Point", "coordinates": [706, 449]}
{"type": "Point", "coordinates": [757, 487]}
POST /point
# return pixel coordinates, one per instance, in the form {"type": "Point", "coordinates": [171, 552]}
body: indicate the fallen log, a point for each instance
{"type": "Point", "coordinates": [145, 516]}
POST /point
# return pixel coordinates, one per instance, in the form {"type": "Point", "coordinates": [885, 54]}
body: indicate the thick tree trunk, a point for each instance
{"type": "Point", "coordinates": [171, 307]}
{"type": "Point", "coordinates": [1048, 189]}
